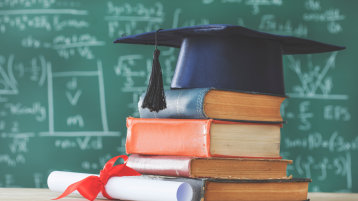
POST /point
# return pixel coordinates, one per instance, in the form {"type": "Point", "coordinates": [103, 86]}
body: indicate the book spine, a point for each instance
{"type": "Point", "coordinates": [160, 165]}
{"type": "Point", "coordinates": [176, 137]}
{"type": "Point", "coordinates": [181, 104]}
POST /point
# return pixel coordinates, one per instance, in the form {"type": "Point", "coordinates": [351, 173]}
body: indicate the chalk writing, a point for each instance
{"type": "Point", "coordinates": [339, 166]}
{"type": "Point", "coordinates": [24, 22]}
{"type": "Point", "coordinates": [269, 24]}
{"type": "Point", "coordinates": [81, 143]}
{"type": "Point", "coordinates": [60, 24]}
{"type": "Point", "coordinates": [331, 16]}
{"type": "Point", "coordinates": [42, 19]}
{"type": "Point", "coordinates": [336, 113]}
{"type": "Point", "coordinates": [125, 66]}
{"type": "Point", "coordinates": [74, 121]}
{"type": "Point", "coordinates": [73, 99]}
{"type": "Point", "coordinates": [315, 140]}
{"type": "Point", "coordinates": [304, 116]}
{"type": "Point", "coordinates": [19, 145]}
{"type": "Point", "coordinates": [126, 18]}
{"type": "Point", "coordinates": [257, 3]}
{"type": "Point", "coordinates": [328, 15]}
{"type": "Point", "coordinates": [36, 109]}
{"type": "Point", "coordinates": [72, 86]}
{"type": "Point", "coordinates": [66, 46]}
{"type": "Point", "coordinates": [26, 3]}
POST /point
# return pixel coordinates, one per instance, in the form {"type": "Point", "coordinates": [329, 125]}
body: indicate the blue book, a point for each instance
{"type": "Point", "coordinates": [210, 103]}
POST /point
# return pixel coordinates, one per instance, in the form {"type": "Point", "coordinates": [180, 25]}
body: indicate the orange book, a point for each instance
{"type": "Point", "coordinates": [202, 138]}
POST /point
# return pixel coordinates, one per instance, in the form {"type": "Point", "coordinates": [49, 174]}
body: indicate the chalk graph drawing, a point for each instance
{"type": "Point", "coordinates": [13, 69]}
{"type": "Point", "coordinates": [7, 81]}
{"type": "Point", "coordinates": [315, 82]}
{"type": "Point", "coordinates": [77, 120]}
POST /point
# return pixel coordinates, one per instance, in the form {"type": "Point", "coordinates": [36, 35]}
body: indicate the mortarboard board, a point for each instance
{"type": "Point", "coordinates": [228, 57]}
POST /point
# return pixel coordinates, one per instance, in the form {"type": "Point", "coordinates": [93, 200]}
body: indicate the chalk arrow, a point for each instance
{"type": "Point", "coordinates": [73, 99]}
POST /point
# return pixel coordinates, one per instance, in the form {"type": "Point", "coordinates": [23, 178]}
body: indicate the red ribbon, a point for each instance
{"type": "Point", "coordinates": [91, 186]}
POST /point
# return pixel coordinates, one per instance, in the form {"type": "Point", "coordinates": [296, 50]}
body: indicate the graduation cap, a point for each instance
{"type": "Point", "coordinates": [224, 57]}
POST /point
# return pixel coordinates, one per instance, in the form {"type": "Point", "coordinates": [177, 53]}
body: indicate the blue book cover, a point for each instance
{"type": "Point", "coordinates": [189, 104]}
{"type": "Point", "coordinates": [181, 104]}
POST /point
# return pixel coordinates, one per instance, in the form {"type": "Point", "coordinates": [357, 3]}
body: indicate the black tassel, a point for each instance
{"type": "Point", "coordinates": [154, 98]}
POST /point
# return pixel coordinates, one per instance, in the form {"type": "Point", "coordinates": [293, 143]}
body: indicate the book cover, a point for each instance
{"type": "Point", "coordinates": [205, 103]}
{"type": "Point", "coordinates": [202, 138]}
{"type": "Point", "coordinates": [222, 168]}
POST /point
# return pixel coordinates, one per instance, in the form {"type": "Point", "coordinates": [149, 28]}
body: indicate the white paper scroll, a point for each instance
{"type": "Point", "coordinates": [128, 188]}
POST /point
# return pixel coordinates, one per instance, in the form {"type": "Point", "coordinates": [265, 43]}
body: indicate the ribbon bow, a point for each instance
{"type": "Point", "coordinates": [91, 186]}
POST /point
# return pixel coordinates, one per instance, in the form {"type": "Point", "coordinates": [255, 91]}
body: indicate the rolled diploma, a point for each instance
{"type": "Point", "coordinates": [127, 188]}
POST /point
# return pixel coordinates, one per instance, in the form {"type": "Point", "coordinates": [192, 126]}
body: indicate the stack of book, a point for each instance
{"type": "Point", "coordinates": [226, 144]}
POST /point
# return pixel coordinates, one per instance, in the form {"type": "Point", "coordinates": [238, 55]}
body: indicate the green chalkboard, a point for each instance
{"type": "Point", "coordinates": [66, 89]}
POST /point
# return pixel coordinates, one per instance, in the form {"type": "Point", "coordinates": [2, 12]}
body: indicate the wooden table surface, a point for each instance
{"type": "Point", "coordinates": [36, 194]}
